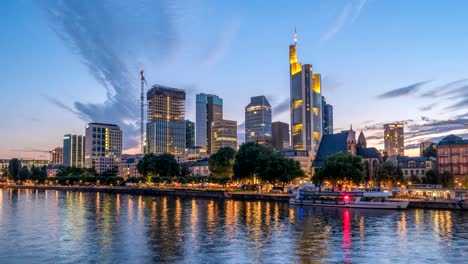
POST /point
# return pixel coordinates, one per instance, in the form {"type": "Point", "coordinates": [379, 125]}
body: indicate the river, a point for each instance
{"type": "Point", "coordinates": [79, 227]}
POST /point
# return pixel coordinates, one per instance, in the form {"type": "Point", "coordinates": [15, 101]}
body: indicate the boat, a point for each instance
{"type": "Point", "coordinates": [351, 199]}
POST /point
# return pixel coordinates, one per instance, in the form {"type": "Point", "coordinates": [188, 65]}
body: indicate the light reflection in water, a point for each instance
{"type": "Point", "coordinates": [105, 228]}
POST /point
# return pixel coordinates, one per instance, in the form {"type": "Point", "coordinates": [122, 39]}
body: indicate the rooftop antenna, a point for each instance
{"type": "Point", "coordinates": [142, 122]}
{"type": "Point", "coordinates": [295, 36]}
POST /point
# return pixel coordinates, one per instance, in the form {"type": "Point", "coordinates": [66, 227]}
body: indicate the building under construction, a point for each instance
{"type": "Point", "coordinates": [165, 129]}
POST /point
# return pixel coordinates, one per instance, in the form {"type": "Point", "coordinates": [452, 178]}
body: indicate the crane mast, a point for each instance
{"type": "Point", "coordinates": [142, 121]}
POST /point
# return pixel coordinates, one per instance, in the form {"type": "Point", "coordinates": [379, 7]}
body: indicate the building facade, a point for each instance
{"type": "Point", "coordinates": [198, 168]}
{"type": "Point", "coordinates": [166, 128]}
{"type": "Point", "coordinates": [304, 158]}
{"type": "Point", "coordinates": [258, 120]}
{"type": "Point", "coordinates": [57, 156]}
{"type": "Point", "coordinates": [224, 135]}
{"type": "Point", "coordinates": [452, 156]}
{"type": "Point", "coordinates": [73, 150]}
{"type": "Point", "coordinates": [306, 104]}
{"type": "Point", "coordinates": [189, 134]}
{"type": "Point", "coordinates": [209, 109]}
{"type": "Point", "coordinates": [394, 141]}
{"type": "Point", "coordinates": [103, 147]}
{"type": "Point", "coordinates": [413, 166]}
{"type": "Point", "coordinates": [327, 125]}
{"type": "Point", "coordinates": [4, 163]}
{"type": "Point", "coordinates": [280, 135]}
{"type": "Point", "coordinates": [128, 166]}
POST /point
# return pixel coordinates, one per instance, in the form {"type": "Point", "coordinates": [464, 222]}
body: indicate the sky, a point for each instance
{"type": "Point", "coordinates": [64, 64]}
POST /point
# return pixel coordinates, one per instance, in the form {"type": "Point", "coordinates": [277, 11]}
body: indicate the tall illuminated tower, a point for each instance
{"type": "Point", "coordinates": [306, 103]}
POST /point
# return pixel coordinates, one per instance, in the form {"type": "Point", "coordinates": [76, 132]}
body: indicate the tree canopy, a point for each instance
{"type": "Point", "coordinates": [340, 169]}
{"type": "Point", "coordinates": [430, 152]}
{"type": "Point", "coordinates": [158, 165]}
{"type": "Point", "coordinates": [221, 163]}
{"type": "Point", "coordinates": [387, 173]}
{"type": "Point", "coordinates": [14, 167]}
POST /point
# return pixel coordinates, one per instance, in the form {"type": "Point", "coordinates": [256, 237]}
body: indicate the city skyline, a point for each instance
{"type": "Point", "coordinates": [69, 85]}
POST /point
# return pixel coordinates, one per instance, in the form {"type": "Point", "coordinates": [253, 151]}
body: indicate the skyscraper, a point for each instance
{"type": "Point", "coordinates": [73, 150]}
{"type": "Point", "coordinates": [209, 109]}
{"type": "Point", "coordinates": [258, 120]}
{"type": "Point", "coordinates": [189, 134]}
{"type": "Point", "coordinates": [166, 127]}
{"type": "Point", "coordinates": [327, 117]}
{"type": "Point", "coordinates": [306, 103]}
{"type": "Point", "coordinates": [103, 148]}
{"type": "Point", "coordinates": [280, 135]}
{"type": "Point", "coordinates": [224, 135]}
{"type": "Point", "coordinates": [57, 156]}
{"type": "Point", "coordinates": [394, 142]}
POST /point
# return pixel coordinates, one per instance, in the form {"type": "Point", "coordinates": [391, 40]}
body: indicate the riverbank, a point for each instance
{"type": "Point", "coordinates": [217, 194]}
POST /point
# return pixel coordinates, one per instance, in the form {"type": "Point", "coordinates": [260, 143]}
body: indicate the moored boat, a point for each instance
{"type": "Point", "coordinates": [370, 200]}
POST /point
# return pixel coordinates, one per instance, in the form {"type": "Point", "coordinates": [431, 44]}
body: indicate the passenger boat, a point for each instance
{"type": "Point", "coordinates": [353, 199]}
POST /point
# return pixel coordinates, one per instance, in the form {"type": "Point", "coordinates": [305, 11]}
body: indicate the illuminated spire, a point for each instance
{"type": "Point", "coordinates": [295, 36]}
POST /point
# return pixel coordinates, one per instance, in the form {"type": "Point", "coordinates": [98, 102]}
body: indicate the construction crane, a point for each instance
{"type": "Point", "coordinates": [32, 150]}
{"type": "Point", "coordinates": [142, 121]}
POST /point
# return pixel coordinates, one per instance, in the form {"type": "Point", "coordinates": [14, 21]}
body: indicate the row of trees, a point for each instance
{"type": "Point", "coordinates": [16, 172]}
{"type": "Point", "coordinates": [252, 160]}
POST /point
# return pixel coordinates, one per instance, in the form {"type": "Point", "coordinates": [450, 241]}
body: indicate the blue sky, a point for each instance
{"type": "Point", "coordinates": [64, 63]}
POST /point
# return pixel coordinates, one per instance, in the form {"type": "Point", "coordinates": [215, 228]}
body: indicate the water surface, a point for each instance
{"type": "Point", "coordinates": [78, 227]}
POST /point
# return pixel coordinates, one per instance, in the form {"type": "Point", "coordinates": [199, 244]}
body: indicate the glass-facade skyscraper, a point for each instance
{"type": "Point", "coordinates": [280, 135]}
{"type": "Point", "coordinates": [327, 117]}
{"type": "Point", "coordinates": [394, 141]}
{"type": "Point", "coordinates": [103, 147]}
{"type": "Point", "coordinates": [166, 127]}
{"type": "Point", "coordinates": [189, 134]}
{"type": "Point", "coordinates": [209, 109]}
{"type": "Point", "coordinates": [73, 150]}
{"type": "Point", "coordinates": [306, 104]}
{"type": "Point", "coordinates": [258, 120]}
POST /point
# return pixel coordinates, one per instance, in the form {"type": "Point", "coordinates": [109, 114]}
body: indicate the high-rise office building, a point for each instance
{"type": "Point", "coordinates": [166, 127]}
{"type": "Point", "coordinates": [189, 134]}
{"type": "Point", "coordinates": [73, 150]}
{"type": "Point", "coordinates": [209, 109]}
{"type": "Point", "coordinates": [258, 120]}
{"type": "Point", "coordinates": [280, 135]}
{"type": "Point", "coordinates": [306, 103]}
{"type": "Point", "coordinates": [103, 147]}
{"type": "Point", "coordinates": [394, 142]}
{"type": "Point", "coordinates": [224, 135]}
{"type": "Point", "coordinates": [327, 117]}
{"type": "Point", "coordinates": [57, 156]}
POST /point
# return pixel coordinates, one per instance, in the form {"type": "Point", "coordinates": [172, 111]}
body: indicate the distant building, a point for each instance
{"type": "Point", "coordinates": [29, 163]}
{"type": "Point", "coordinates": [413, 166]}
{"type": "Point", "coordinates": [224, 135]}
{"type": "Point", "coordinates": [425, 145]}
{"type": "Point", "coordinates": [306, 104]}
{"type": "Point", "coordinates": [304, 158]}
{"type": "Point", "coordinates": [209, 109]}
{"type": "Point", "coordinates": [103, 147]}
{"type": "Point", "coordinates": [258, 120]}
{"type": "Point", "coordinates": [197, 168]}
{"type": "Point", "coordinates": [194, 154]}
{"type": "Point", "coordinates": [128, 166]}
{"type": "Point", "coordinates": [57, 156]}
{"type": "Point", "coordinates": [394, 141]}
{"type": "Point", "coordinates": [73, 151]}
{"type": "Point", "coordinates": [166, 127]}
{"type": "Point", "coordinates": [452, 156]}
{"type": "Point", "coordinates": [327, 117]}
{"type": "Point", "coordinates": [189, 134]}
{"type": "Point", "coordinates": [52, 171]}
{"type": "Point", "coordinates": [346, 142]}
{"type": "Point", "coordinates": [3, 165]}
{"type": "Point", "coordinates": [280, 135]}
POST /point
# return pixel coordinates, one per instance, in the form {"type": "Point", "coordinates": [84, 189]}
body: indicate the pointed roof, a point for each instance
{"type": "Point", "coordinates": [361, 139]}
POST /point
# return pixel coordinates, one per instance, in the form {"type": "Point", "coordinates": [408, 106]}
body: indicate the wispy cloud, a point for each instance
{"type": "Point", "coordinates": [281, 107]}
{"type": "Point", "coordinates": [443, 89]}
{"type": "Point", "coordinates": [223, 42]}
{"type": "Point", "coordinates": [112, 48]}
{"type": "Point", "coordinates": [403, 91]}
{"type": "Point", "coordinates": [350, 12]}
{"type": "Point", "coordinates": [428, 107]}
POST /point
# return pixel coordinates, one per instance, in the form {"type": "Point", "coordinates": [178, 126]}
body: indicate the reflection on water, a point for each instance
{"type": "Point", "coordinates": [52, 226]}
